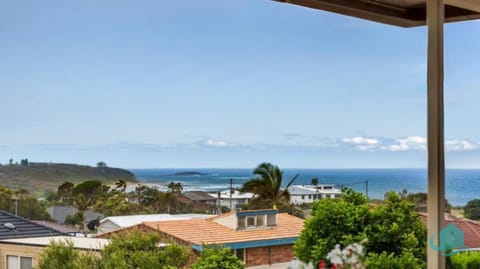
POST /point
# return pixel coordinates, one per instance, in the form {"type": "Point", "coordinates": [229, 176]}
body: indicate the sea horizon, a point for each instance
{"type": "Point", "coordinates": [462, 185]}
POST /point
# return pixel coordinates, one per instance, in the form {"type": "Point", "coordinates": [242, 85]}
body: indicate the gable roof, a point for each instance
{"type": "Point", "coordinates": [198, 196]}
{"type": "Point", "coordinates": [60, 213]}
{"type": "Point", "coordinates": [22, 228]}
{"type": "Point", "coordinates": [58, 227]}
{"type": "Point", "coordinates": [126, 221]}
{"type": "Point", "coordinates": [206, 231]}
{"type": "Point", "coordinates": [470, 228]}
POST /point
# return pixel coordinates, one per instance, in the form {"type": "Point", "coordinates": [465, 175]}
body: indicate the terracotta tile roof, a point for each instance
{"type": "Point", "coordinates": [209, 232]}
{"type": "Point", "coordinates": [470, 228]}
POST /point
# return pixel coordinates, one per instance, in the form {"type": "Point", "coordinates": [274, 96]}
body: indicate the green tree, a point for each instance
{"type": "Point", "coordinates": [64, 192]}
{"type": "Point", "coordinates": [121, 185]}
{"type": "Point", "coordinates": [114, 205]}
{"type": "Point", "coordinates": [333, 221]}
{"type": "Point", "coordinates": [314, 181]}
{"type": "Point", "coordinates": [59, 255]}
{"type": "Point", "coordinates": [137, 250]}
{"type": "Point", "coordinates": [81, 204]}
{"type": "Point", "coordinates": [419, 201]}
{"type": "Point", "coordinates": [217, 258]}
{"type": "Point", "coordinates": [175, 188]}
{"type": "Point", "coordinates": [6, 199]}
{"type": "Point", "coordinates": [91, 189]}
{"type": "Point", "coordinates": [472, 209]}
{"type": "Point", "coordinates": [396, 236]}
{"type": "Point", "coordinates": [267, 187]}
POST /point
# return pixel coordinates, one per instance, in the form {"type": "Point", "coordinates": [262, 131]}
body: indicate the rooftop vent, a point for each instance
{"type": "Point", "coordinates": [9, 226]}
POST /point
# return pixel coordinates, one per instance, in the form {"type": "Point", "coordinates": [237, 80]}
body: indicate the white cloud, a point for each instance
{"type": "Point", "coordinates": [215, 143]}
{"type": "Point", "coordinates": [460, 145]}
{"type": "Point", "coordinates": [361, 143]}
{"type": "Point", "coordinates": [358, 140]}
{"type": "Point", "coordinates": [408, 143]}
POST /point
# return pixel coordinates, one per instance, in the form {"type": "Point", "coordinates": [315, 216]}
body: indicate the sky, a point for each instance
{"type": "Point", "coordinates": [215, 83]}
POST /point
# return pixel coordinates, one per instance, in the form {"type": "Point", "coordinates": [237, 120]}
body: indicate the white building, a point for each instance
{"type": "Point", "coordinates": [300, 194]}
{"type": "Point", "coordinates": [237, 198]}
{"type": "Point", "coordinates": [110, 224]}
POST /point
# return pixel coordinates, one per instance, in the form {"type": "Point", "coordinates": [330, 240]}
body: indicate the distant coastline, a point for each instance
{"type": "Point", "coordinates": [463, 185]}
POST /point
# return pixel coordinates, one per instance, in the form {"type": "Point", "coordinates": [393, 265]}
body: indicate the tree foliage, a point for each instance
{"type": "Point", "coordinates": [395, 234]}
{"type": "Point", "coordinates": [217, 258]}
{"type": "Point", "coordinates": [472, 209]}
{"type": "Point", "coordinates": [131, 250]}
{"type": "Point", "coordinates": [267, 187]}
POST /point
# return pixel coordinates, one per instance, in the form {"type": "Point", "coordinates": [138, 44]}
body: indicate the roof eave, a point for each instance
{"type": "Point", "coordinates": [392, 15]}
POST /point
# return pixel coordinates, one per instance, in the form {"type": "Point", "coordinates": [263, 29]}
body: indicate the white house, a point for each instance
{"type": "Point", "coordinates": [300, 194]}
{"type": "Point", "coordinates": [238, 199]}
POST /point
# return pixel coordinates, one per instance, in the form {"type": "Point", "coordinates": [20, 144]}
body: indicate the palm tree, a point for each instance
{"type": "Point", "coordinates": [266, 185]}
{"type": "Point", "coordinates": [121, 185]}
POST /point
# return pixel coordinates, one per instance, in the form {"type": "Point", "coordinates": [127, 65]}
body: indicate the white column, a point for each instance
{"type": "Point", "coordinates": [436, 152]}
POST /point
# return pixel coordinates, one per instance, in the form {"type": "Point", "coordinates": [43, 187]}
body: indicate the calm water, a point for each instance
{"type": "Point", "coordinates": [461, 185]}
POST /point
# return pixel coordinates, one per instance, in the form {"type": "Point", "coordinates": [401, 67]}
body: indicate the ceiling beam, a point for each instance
{"type": "Point", "coordinates": [473, 5]}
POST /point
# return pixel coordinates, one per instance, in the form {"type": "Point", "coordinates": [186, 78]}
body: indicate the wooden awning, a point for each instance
{"type": "Point", "coordinates": [409, 13]}
{"type": "Point", "coordinates": [405, 13]}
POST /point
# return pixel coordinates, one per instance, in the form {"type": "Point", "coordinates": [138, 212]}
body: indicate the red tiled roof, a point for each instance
{"type": "Point", "coordinates": [470, 228]}
{"type": "Point", "coordinates": [207, 231]}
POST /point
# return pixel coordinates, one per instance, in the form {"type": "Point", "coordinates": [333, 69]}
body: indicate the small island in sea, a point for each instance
{"type": "Point", "coordinates": [190, 173]}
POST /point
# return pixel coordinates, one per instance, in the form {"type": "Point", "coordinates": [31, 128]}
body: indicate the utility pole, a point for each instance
{"type": "Point", "coordinates": [231, 190]}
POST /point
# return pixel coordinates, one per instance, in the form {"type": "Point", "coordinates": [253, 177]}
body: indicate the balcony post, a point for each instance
{"type": "Point", "coordinates": [435, 136]}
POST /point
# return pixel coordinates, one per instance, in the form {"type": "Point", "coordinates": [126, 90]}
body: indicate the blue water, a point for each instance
{"type": "Point", "coordinates": [461, 185]}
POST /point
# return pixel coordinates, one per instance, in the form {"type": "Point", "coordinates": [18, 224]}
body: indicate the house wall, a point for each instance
{"type": "Point", "coordinates": [269, 255]}
{"type": "Point", "coordinates": [236, 203]}
{"type": "Point", "coordinates": [19, 250]}
{"type": "Point", "coordinates": [107, 227]}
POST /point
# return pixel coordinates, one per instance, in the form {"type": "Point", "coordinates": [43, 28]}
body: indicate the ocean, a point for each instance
{"type": "Point", "coordinates": [461, 185]}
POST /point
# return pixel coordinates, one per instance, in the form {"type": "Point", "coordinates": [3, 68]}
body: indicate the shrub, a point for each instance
{"type": "Point", "coordinates": [217, 258]}
{"type": "Point", "coordinates": [464, 260]}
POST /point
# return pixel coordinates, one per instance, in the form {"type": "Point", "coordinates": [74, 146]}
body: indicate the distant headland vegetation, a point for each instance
{"type": "Point", "coordinates": [39, 177]}
{"type": "Point", "coordinates": [190, 173]}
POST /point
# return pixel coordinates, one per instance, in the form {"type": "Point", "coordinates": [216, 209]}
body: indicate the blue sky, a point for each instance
{"type": "Point", "coordinates": [225, 84]}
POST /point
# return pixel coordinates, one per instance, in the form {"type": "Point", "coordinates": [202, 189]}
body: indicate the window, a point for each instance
{"type": "Point", "coordinates": [303, 197]}
{"type": "Point", "coordinates": [251, 221]}
{"type": "Point", "coordinates": [260, 220]}
{"type": "Point", "coordinates": [240, 253]}
{"type": "Point", "coordinates": [309, 196]}
{"type": "Point", "coordinates": [271, 220]}
{"type": "Point", "coordinates": [241, 222]}
{"type": "Point", "coordinates": [16, 262]}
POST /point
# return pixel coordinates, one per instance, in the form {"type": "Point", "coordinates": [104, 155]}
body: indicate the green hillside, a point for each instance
{"type": "Point", "coordinates": [39, 177]}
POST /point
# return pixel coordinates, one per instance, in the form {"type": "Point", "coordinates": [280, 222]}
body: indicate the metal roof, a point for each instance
{"type": "Point", "coordinates": [12, 226]}
{"type": "Point", "coordinates": [78, 242]}
{"type": "Point", "coordinates": [405, 13]}
{"type": "Point", "coordinates": [198, 196]}
{"type": "Point", "coordinates": [127, 221]}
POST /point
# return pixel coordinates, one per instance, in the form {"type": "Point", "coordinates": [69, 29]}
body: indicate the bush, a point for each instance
{"type": "Point", "coordinates": [472, 209]}
{"type": "Point", "coordinates": [62, 255]}
{"type": "Point", "coordinates": [391, 261]}
{"type": "Point", "coordinates": [132, 250]}
{"type": "Point", "coordinates": [464, 260]}
{"type": "Point", "coordinates": [395, 234]}
{"type": "Point", "coordinates": [217, 258]}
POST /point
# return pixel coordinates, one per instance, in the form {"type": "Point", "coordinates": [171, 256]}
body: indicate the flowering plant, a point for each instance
{"type": "Point", "coordinates": [351, 257]}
